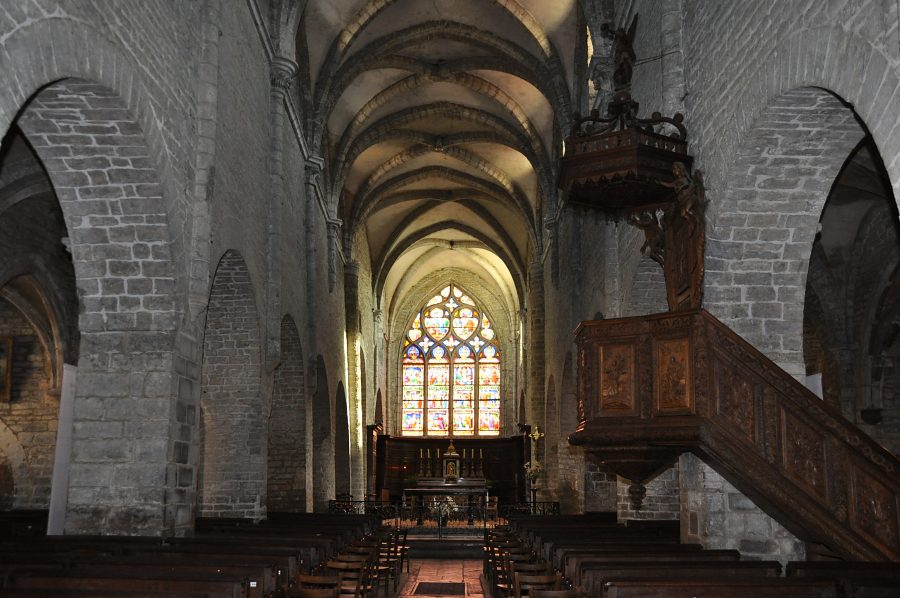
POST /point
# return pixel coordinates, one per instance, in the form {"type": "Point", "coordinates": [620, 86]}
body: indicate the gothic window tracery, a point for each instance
{"type": "Point", "coordinates": [450, 370]}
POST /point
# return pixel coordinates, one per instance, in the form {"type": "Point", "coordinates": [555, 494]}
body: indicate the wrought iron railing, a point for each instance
{"type": "Point", "coordinates": [447, 518]}
{"type": "Point", "coordinates": [378, 508]}
{"type": "Point", "coordinates": [529, 508]}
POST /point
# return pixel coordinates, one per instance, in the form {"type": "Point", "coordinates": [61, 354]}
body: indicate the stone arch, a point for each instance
{"type": "Point", "coordinates": [827, 57]}
{"type": "Point", "coordinates": [379, 408]}
{"type": "Point", "coordinates": [287, 472]}
{"type": "Point", "coordinates": [500, 312]}
{"type": "Point", "coordinates": [322, 439]}
{"type": "Point", "coordinates": [342, 473]}
{"type": "Point", "coordinates": [572, 477]}
{"type": "Point", "coordinates": [30, 417]}
{"type": "Point", "coordinates": [233, 431]}
{"type": "Point", "coordinates": [13, 467]}
{"type": "Point", "coordinates": [102, 164]}
{"type": "Point", "coordinates": [551, 438]}
{"type": "Point", "coordinates": [759, 246]}
{"type": "Point", "coordinates": [46, 55]}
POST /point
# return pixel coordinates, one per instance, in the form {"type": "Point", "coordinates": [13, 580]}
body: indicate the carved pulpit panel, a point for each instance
{"type": "Point", "coordinates": [875, 509]}
{"type": "Point", "coordinates": [673, 384]}
{"type": "Point", "coordinates": [617, 388]}
{"type": "Point", "coordinates": [737, 401]}
{"type": "Point", "coordinates": [656, 386]}
{"type": "Point", "coordinates": [803, 456]}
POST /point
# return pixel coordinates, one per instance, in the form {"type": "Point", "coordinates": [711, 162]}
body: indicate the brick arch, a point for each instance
{"type": "Point", "coordinates": [551, 438]}
{"type": "Point", "coordinates": [14, 464]}
{"type": "Point", "coordinates": [570, 460]}
{"type": "Point", "coordinates": [322, 439]}
{"type": "Point", "coordinates": [101, 164]}
{"type": "Point", "coordinates": [763, 228]}
{"type": "Point", "coordinates": [233, 431]}
{"type": "Point", "coordinates": [49, 52]}
{"type": "Point", "coordinates": [342, 474]}
{"type": "Point", "coordinates": [287, 450]}
{"type": "Point", "coordinates": [379, 408]}
{"type": "Point", "coordinates": [826, 57]}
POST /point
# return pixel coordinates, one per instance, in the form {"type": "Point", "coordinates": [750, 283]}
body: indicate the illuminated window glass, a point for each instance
{"type": "Point", "coordinates": [450, 370]}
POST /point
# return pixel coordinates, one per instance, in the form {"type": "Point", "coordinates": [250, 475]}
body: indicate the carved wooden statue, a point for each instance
{"type": "Point", "coordinates": [676, 239]}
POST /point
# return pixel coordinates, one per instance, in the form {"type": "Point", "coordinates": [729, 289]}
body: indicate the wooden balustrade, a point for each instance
{"type": "Point", "coordinates": [651, 388]}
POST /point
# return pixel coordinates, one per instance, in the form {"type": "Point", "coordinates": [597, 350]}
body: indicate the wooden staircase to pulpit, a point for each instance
{"type": "Point", "coordinates": [651, 388]}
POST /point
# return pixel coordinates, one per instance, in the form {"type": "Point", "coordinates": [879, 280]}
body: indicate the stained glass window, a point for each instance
{"type": "Point", "coordinates": [450, 370]}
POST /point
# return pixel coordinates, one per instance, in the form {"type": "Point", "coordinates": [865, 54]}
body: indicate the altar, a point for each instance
{"type": "Point", "coordinates": [428, 490]}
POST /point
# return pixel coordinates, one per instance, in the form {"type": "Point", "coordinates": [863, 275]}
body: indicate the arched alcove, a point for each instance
{"type": "Point", "coordinates": [551, 439]}
{"type": "Point", "coordinates": [571, 482]}
{"type": "Point", "coordinates": [232, 438]}
{"type": "Point", "coordinates": [762, 230]}
{"type": "Point", "coordinates": [287, 472]}
{"type": "Point", "coordinates": [100, 225]}
{"type": "Point", "coordinates": [322, 439]}
{"type": "Point", "coordinates": [342, 474]}
{"type": "Point", "coordinates": [847, 330]}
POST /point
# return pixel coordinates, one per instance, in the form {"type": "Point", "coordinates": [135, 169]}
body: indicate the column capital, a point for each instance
{"type": "Point", "coordinates": [282, 72]}
{"type": "Point", "coordinates": [351, 268]}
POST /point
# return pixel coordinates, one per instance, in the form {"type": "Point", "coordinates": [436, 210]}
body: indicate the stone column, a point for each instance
{"type": "Point", "coordinates": [314, 166]}
{"type": "Point", "coordinates": [534, 408]}
{"type": "Point", "coordinates": [334, 236]}
{"type": "Point", "coordinates": [283, 72]}
{"type": "Point", "coordinates": [380, 365]}
{"type": "Point", "coordinates": [356, 401]}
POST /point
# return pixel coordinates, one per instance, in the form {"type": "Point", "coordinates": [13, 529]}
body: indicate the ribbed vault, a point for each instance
{"type": "Point", "coordinates": [440, 124]}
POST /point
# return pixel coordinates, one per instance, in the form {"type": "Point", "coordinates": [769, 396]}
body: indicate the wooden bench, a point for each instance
{"type": "Point", "coordinates": [593, 575]}
{"type": "Point", "coordinates": [574, 560]}
{"type": "Point", "coordinates": [23, 523]}
{"type": "Point", "coordinates": [719, 588]}
{"type": "Point", "coordinates": [220, 586]}
{"type": "Point", "coordinates": [857, 579]}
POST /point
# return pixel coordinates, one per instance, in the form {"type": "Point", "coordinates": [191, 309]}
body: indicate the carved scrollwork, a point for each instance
{"type": "Point", "coordinates": [616, 378]}
{"type": "Point", "coordinates": [673, 375]}
{"type": "Point", "coordinates": [804, 453]}
{"type": "Point", "coordinates": [875, 509]}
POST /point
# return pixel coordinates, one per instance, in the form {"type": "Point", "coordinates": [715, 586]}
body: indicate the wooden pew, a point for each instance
{"type": "Point", "coordinates": [23, 523]}
{"type": "Point", "coordinates": [219, 586]}
{"type": "Point", "coordinates": [857, 579]}
{"type": "Point", "coordinates": [574, 560]}
{"type": "Point", "coordinates": [719, 588]}
{"type": "Point", "coordinates": [593, 575]}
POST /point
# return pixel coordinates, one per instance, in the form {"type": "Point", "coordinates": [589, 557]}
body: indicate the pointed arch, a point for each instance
{"type": "Point", "coordinates": [233, 429]}
{"type": "Point", "coordinates": [322, 439]}
{"type": "Point", "coordinates": [450, 369]}
{"type": "Point", "coordinates": [342, 473]}
{"type": "Point", "coordinates": [287, 471]}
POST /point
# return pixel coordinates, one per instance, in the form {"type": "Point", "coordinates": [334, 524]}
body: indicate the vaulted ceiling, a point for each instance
{"type": "Point", "coordinates": [440, 122]}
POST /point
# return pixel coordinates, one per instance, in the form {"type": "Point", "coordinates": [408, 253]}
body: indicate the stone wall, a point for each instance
{"type": "Point", "coordinates": [286, 459]}
{"type": "Point", "coordinates": [660, 502]}
{"type": "Point", "coordinates": [232, 431]}
{"type": "Point", "coordinates": [716, 515]}
{"type": "Point", "coordinates": [29, 418]}
{"type": "Point", "coordinates": [579, 293]}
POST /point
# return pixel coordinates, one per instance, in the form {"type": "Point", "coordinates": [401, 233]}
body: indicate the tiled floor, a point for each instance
{"type": "Point", "coordinates": [440, 570]}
